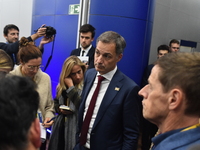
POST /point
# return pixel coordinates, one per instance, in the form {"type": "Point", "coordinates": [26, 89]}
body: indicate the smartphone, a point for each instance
{"type": "Point", "coordinates": [64, 107]}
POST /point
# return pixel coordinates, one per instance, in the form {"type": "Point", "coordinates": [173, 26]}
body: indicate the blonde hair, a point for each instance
{"type": "Point", "coordinates": [69, 63]}
{"type": "Point", "coordinates": [5, 60]}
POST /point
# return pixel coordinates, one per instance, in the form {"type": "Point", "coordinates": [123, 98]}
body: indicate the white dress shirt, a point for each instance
{"type": "Point", "coordinates": [86, 50]}
{"type": "Point", "coordinates": [104, 85]}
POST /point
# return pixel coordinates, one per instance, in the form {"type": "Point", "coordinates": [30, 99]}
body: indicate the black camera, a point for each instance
{"type": "Point", "coordinates": [50, 31]}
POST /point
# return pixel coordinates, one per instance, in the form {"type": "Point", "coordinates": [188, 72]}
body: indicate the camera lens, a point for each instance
{"type": "Point", "coordinates": [50, 31]}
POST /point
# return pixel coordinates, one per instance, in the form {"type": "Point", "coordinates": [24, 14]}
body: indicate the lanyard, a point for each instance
{"type": "Point", "coordinates": [191, 127]}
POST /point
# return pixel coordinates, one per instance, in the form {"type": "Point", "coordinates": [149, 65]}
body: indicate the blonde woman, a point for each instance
{"type": "Point", "coordinates": [68, 94]}
{"type": "Point", "coordinates": [6, 64]}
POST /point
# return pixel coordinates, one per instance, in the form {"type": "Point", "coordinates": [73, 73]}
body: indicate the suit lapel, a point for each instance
{"type": "Point", "coordinates": [113, 88]}
{"type": "Point", "coordinates": [90, 52]}
{"type": "Point", "coordinates": [79, 52]}
{"type": "Point", "coordinates": [87, 86]}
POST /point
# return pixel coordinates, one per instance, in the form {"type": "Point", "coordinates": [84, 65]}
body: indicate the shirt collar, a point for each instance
{"type": "Point", "coordinates": [86, 50]}
{"type": "Point", "coordinates": [159, 138]}
{"type": "Point", "coordinates": [109, 75]}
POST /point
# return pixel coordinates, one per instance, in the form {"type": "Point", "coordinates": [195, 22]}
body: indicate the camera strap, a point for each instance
{"type": "Point", "coordinates": [50, 57]}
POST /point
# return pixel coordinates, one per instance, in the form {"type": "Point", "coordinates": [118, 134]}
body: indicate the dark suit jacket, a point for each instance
{"type": "Point", "coordinates": [116, 126]}
{"type": "Point", "coordinates": [146, 75]}
{"type": "Point", "coordinates": [76, 52]}
{"type": "Point", "coordinates": [148, 129]}
{"type": "Point", "coordinates": [12, 49]}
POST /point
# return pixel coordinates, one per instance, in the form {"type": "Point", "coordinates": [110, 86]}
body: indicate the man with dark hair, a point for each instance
{"type": "Point", "coordinates": [11, 34]}
{"type": "Point", "coordinates": [171, 101]}
{"type": "Point", "coordinates": [162, 50]}
{"type": "Point", "coordinates": [174, 45]}
{"type": "Point", "coordinates": [19, 126]}
{"type": "Point", "coordinates": [87, 33]}
{"type": "Point", "coordinates": [110, 107]}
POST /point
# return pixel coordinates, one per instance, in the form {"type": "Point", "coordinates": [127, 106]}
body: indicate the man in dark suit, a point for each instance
{"type": "Point", "coordinates": [87, 33]}
{"type": "Point", "coordinates": [114, 123]}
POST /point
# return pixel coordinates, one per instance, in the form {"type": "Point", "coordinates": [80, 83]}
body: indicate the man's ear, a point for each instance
{"type": "Point", "coordinates": [5, 36]}
{"type": "Point", "coordinates": [34, 136]}
{"type": "Point", "coordinates": [176, 98]}
{"type": "Point", "coordinates": [120, 57]}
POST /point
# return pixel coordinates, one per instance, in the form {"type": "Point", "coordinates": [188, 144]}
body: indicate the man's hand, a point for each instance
{"type": "Point", "coordinates": [40, 32]}
{"type": "Point", "coordinates": [44, 41]}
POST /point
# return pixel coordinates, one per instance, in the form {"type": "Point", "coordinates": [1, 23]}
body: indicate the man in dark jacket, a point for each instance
{"type": "Point", "coordinates": [11, 34]}
{"type": "Point", "coordinates": [87, 33]}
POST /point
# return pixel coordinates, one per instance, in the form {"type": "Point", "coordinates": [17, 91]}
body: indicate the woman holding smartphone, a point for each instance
{"type": "Point", "coordinates": [66, 104]}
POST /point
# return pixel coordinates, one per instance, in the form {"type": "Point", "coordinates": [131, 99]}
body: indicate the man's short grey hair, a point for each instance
{"type": "Point", "coordinates": [113, 37]}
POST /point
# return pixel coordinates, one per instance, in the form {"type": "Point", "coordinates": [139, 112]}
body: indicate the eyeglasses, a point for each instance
{"type": "Point", "coordinates": [32, 68]}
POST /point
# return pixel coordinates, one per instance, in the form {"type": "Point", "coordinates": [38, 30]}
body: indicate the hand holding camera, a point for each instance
{"type": "Point", "coordinates": [46, 31]}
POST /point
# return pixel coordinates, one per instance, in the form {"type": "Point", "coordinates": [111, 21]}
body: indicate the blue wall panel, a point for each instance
{"type": "Point", "coordinates": [129, 29]}
{"type": "Point", "coordinates": [44, 7]}
{"type": "Point", "coordinates": [65, 42]}
{"type": "Point", "coordinates": [55, 13]}
{"type": "Point", "coordinates": [37, 22]}
{"type": "Point", "coordinates": [132, 19]}
{"type": "Point", "coordinates": [136, 9]}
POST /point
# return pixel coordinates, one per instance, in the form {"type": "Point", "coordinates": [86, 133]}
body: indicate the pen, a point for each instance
{"type": "Point", "coordinates": [40, 116]}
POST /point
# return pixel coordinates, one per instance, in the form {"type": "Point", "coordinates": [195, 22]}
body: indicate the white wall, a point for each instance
{"type": "Point", "coordinates": [179, 19]}
{"type": "Point", "coordinates": [18, 12]}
